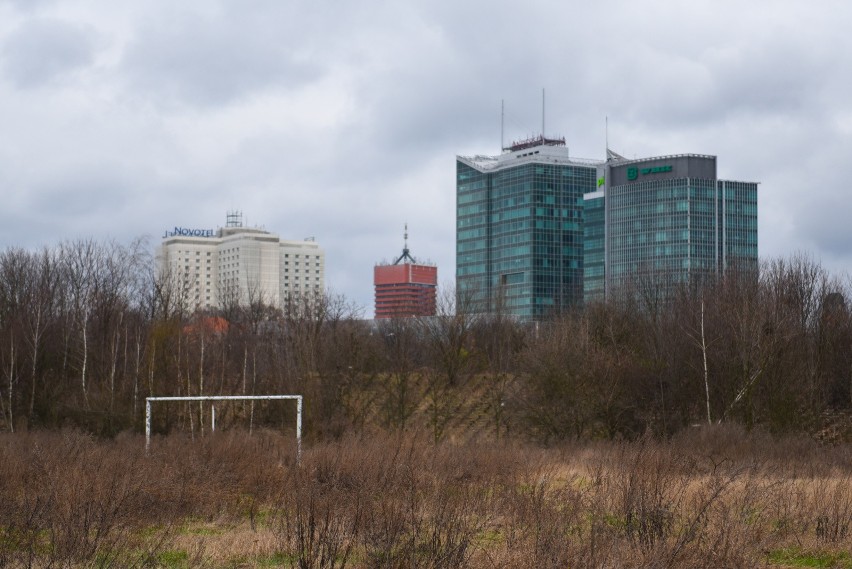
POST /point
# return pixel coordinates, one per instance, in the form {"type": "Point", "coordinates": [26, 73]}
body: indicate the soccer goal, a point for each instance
{"type": "Point", "coordinates": [213, 399]}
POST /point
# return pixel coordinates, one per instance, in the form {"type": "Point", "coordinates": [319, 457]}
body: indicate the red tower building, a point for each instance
{"type": "Point", "coordinates": [405, 288]}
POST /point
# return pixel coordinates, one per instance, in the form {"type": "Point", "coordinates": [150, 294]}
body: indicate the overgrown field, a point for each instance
{"type": "Point", "coordinates": [710, 497]}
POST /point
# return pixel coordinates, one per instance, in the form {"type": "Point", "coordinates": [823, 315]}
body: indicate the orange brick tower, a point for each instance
{"type": "Point", "coordinates": [405, 288]}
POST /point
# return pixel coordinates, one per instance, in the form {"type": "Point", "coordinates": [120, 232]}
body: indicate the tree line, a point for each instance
{"type": "Point", "coordinates": [89, 329]}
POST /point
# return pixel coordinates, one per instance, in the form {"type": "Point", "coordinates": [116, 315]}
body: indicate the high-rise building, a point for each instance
{"type": "Point", "coordinates": [519, 228]}
{"type": "Point", "coordinates": [665, 222]}
{"type": "Point", "coordinates": [538, 231]}
{"type": "Point", "coordinates": [405, 288]}
{"type": "Point", "coordinates": [238, 265]}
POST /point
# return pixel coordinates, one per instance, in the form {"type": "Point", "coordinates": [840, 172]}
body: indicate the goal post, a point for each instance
{"type": "Point", "coordinates": [213, 398]}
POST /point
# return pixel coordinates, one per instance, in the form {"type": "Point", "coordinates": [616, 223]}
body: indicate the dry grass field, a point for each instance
{"type": "Point", "coordinates": [711, 497]}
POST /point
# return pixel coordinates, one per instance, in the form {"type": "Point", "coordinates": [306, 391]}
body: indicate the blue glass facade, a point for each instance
{"type": "Point", "coordinates": [667, 221]}
{"type": "Point", "coordinates": [537, 233]}
{"type": "Point", "coordinates": [594, 250]}
{"type": "Point", "coordinates": [519, 233]}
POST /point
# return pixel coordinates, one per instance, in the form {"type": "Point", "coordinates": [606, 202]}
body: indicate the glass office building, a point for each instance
{"type": "Point", "coordinates": [519, 229]}
{"type": "Point", "coordinates": [666, 222]}
{"type": "Point", "coordinates": [593, 246]}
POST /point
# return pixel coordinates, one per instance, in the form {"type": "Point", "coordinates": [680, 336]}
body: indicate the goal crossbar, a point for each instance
{"type": "Point", "coordinates": [297, 398]}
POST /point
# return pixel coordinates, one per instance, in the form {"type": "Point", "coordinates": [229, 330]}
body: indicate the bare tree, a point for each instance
{"type": "Point", "coordinates": [41, 312]}
{"type": "Point", "coordinates": [447, 335]}
{"type": "Point", "coordinates": [401, 343]}
{"type": "Point", "coordinates": [559, 390]}
{"type": "Point", "coordinates": [697, 334]}
{"type": "Point", "coordinates": [80, 262]}
{"type": "Point", "coordinates": [13, 285]}
{"type": "Point", "coordinates": [499, 339]}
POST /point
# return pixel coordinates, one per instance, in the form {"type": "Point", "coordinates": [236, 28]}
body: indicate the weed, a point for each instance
{"type": "Point", "coordinates": [796, 557]}
{"type": "Point", "coordinates": [173, 558]}
{"type": "Point", "coordinates": [387, 501]}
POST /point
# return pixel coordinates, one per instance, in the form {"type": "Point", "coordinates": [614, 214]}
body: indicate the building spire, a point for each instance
{"type": "Point", "coordinates": [405, 252]}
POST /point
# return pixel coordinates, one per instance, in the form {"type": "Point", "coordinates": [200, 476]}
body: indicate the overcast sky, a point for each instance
{"type": "Point", "coordinates": [341, 120]}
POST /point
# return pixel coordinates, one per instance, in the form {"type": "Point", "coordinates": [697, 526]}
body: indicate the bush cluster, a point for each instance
{"type": "Point", "coordinates": [710, 497]}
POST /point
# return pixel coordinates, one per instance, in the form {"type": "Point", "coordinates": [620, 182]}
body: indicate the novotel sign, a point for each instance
{"type": "Point", "coordinates": [184, 232]}
{"type": "Point", "coordinates": [633, 172]}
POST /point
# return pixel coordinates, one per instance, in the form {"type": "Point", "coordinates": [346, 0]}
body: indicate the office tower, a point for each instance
{"type": "Point", "coordinates": [519, 229]}
{"type": "Point", "coordinates": [238, 265]}
{"type": "Point", "coordinates": [405, 288]}
{"type": "Point", "coordinates": [664, 223]}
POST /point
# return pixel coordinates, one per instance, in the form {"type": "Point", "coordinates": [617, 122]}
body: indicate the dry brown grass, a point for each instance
{"type": "Point", "coordinates": [713, 497]}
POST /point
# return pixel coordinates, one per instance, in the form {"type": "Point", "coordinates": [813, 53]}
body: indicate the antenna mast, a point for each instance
{"type": "Point", "coordinates": [502, 121]}
{"type": "Point", "coordinates": [234, 218]}
{"type": "Point", "coordinates": [406, 254]}
{"type": "Point", "coordinates": [542, 112]}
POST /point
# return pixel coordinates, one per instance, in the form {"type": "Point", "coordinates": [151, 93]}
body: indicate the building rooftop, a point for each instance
{"type": "Point", "coordinates": [622, 160]}
{"type": "Point", "coordinates": [537, 150]}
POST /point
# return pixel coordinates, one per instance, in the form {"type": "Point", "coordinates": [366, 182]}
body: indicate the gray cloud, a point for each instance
{"type": "Point", "coordinates": [43, 50]}
{"type": "Point", "coordinates": [215, 56]}
{"type": "Point", "coordinates": [342, 120]}
{"type": "Point", "coordinates": [27, 5]}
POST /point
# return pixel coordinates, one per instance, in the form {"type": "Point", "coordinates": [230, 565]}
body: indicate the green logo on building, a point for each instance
{"type": "Point", "coordinates": [633, 172]}
{"type": "Point", "coordinates": [657, 169]}
{"type": "Point", "coordinates": [600, 181]}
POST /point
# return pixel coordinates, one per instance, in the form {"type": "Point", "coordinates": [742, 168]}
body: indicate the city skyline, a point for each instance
{"type": "Point", "coordinates": [121, 121]}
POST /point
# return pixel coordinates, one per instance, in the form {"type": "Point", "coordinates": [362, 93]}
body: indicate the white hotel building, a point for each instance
{"type": "Point", "coordinates": [240, 265]}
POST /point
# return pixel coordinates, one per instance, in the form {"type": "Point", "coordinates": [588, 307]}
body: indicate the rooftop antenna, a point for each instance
{"type": "Point", "coordinates": [606, 131]}
{"type": "Point", "coordinates": [542, 113]}
{"type": "Point", "coordinates": [502, 121]}
{"type": "Point", "coordinates": [405, 253]}
{"type": "Point", "coordinates": [234, 218]}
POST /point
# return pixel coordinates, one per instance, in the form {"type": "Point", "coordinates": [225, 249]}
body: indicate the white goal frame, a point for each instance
{"type": "Point", "coordinates": [298, 398]}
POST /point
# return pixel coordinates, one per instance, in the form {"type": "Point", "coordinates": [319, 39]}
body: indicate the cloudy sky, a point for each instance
{"type": "Point", "coordinates": [340, 120]}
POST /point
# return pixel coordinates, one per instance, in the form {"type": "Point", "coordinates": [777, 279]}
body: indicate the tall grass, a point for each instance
{"type": "Point", "coordinates": [712, 497]}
